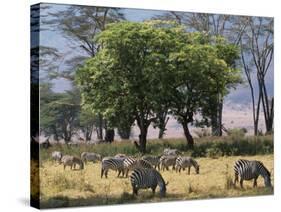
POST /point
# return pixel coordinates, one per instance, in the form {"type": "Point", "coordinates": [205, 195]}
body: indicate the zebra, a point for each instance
{"type": "Point", "coordinates": [166, 161]}
{"type": "Point", "coordinates": [248, 170]}
{"type": "Point", "coordinates": [153, 160]}
{"type": "Point", "coordinates": [56, 155]}
{"type": "Point", "coordinates": [119, 155]}
{"type": "Point", "coordinates": [173, 152]}
{"type": "Point", "coordinates": [90, 156]}
{"type": "Point", "coordinates": [147, 178]}
{"type": "Point", "coordinates": [71, 161]}
{"type": "Point", "coordinates": [131, 163]}
{"type": "Point", "coordinates": [116, 164]}
{"type": "Point", "coordinates": [183, 162]}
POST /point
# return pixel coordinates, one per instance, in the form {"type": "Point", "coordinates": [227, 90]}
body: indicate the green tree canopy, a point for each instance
{"type": "Point", "coordinates": [144, 67]}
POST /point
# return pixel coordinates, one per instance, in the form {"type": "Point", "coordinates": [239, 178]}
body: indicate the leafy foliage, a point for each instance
{"type": "Point", "coordinates": [59, 112]}
{"type": "Point", "coordinates": [145, 67]}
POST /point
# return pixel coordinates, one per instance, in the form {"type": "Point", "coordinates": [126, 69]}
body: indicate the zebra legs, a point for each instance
{"type": "Point", "coordinates": [127, 172]}
{"type": "Point", "coordinates": [255, 182]}
{"type": "Point", "coordinates": [153, 190]}
{"type": "Point", "coordinates": [135, 191]}
{"type": "Point", "coordinates": [241, 183]}
{"type": "Point", "coordinates": [189, 170]}
{"type": "Point", "coordinates": [119, 172]}
{"type": "Point", "coordinates": [102, 171]}
{"type": "Point", "coordinates": [178, 169]}
{"type": "Point", "coordinates": [235, 179]}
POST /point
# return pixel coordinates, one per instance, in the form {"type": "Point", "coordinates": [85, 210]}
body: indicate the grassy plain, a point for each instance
{"type": "Point", "coordinates": [59, 188]}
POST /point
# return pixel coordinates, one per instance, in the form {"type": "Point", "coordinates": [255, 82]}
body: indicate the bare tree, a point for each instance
{"type": "Point", "coordinates": [257, 48]}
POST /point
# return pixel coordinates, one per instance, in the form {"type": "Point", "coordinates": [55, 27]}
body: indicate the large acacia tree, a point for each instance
{"type": "Point", "coordinates": [128, 74]}
{"type": "Point", "coordinates": [145, 67]}
{"type": "Point", "coordinates": [202, 76]}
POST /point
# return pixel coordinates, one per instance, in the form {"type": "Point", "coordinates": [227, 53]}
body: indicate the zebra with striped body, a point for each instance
{"type": "Point", "coordinates": [166, 161]}
{"type": "Point", "coordinates": [131, 163]}
{"type": "Point", "coordinates": [112, 163]}
{"type": "Point", "coordinates": [172, 152]}
{"type": "Point", "coordinates": [56, 156]}
{"type": "Point", "coordinates": [147, 178]}
{"type": "Point", "coordinates": [248, 170]}
{"type": "Point", "coordinates": [153, 160]}
{"type": "Point", "coordinates": [120, 155]}
{"type": "Point", "coordinates": [90, 156]}
{"type": "Point", "coordinates": [72, 161]}
{"type": "Point", "coordinates": [186, 162]}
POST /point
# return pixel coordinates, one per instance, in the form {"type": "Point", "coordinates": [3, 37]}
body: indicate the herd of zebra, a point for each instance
{"type": "Point", "coordinates": [146, 170]}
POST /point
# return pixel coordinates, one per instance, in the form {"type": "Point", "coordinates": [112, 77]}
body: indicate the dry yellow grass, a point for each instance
{"type": "Point", "coordinates": [73, 188]}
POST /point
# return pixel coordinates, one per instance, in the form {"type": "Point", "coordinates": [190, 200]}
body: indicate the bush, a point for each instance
{"type": "Point", "coordinates": [237, 134]}
{"type": "Point", "coordinates": [214, 152]}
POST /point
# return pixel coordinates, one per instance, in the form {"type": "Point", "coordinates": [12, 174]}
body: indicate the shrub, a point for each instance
{"type": "Point", "coordinates": [214, 152]}
{"type": "Point", "coordinates": [237, 134]}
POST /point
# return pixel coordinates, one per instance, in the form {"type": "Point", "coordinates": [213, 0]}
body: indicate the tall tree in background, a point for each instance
{"type": "Point", "coordinates": [257, 56]}
{"type": "Point", "coordinates": [200, 59]}
{"type": "Point", "coordinates": [213, 25]}
{"type": "Point", "coordinates": [88, 121]}
{"type": "Point", "coordinates": [80, 24]}
{"type": "Point", "coordinates": [151, 64]}
{"type": "Point", "coordinates": [132, 66]}
{"type": "Point", "coordinates": [59, 113]}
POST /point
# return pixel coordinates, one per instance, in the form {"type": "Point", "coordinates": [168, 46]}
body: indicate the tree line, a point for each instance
{"type": "Point", "coordinates": [180, 66]}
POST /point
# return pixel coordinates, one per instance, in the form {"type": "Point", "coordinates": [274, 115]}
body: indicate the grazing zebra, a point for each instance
{"type": "Point", "coordinates": [90, 156]}
{"type": "Point", "coordinates": [72, 161]}
{"type": "Point", "coordinates": [119, 155]}
{"type": "Point", "coordinates": [112, 163]}
{"type": "Point", "coordinates": [173, 152]}
{"type": "Point", "coordinates": [147, 178]}
{"type": "Point", "coordinates": [153, 160]}
{"type": "Point", "coordinates": [56, 155]}
{"type": "Point", "coordinates": [186, 162]}
{"type": "Point", "coordinates": [248, 170]}
{"type": "Point", "coordinates": [133, 163]}
{"type": "Point", "coordinates": [166, 161]}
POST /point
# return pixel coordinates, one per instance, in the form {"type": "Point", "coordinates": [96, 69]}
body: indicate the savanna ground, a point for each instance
{"type": "Point", "coordinates": [61, 188]}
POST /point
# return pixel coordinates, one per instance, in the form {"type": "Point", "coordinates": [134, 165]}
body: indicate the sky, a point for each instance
{"type": "Point", "coordinates": [237, 111]}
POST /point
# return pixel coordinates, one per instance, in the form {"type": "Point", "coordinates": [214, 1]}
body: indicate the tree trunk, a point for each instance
{"type": "Point", "coordinates": [109, 135]}
{"type": "Point", "coordinates": [161, 133]}
{"type": "Point", "coordinates": [88, 134]}
{"type": "Point", "coordinates": [220, 107]}
{"type": "Point", "coordinates": [124, 133]}
{"type": "Point", "coordinates": [162, 126]}
{"type": "Point", "coordinates": [214, 125]}
{"type": "Point", "coordinates": [56, 136]}
{"type": "Point", "coordinates": [143, 127]}
{"type": "Point", "coordinates": [142, 139]}
{"type": "Point", "coordinates": [100, 127]}
{"type": "Point", "coordinates": [188, 136]}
